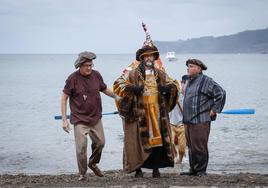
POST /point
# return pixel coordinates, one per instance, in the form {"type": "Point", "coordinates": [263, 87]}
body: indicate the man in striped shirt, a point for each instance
{"type": "Point", "coordinates": [204, 98]}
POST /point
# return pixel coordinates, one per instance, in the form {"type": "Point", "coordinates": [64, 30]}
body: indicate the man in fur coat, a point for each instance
{"type": "Point", "coordinates": [148, 95]}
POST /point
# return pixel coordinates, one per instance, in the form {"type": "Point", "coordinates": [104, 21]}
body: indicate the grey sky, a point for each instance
{"type": "Point", "coordinates": [114, 26]}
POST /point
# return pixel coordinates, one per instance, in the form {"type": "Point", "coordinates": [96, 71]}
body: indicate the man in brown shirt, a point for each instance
{"type": "Point", "coordinates": [83, 88]}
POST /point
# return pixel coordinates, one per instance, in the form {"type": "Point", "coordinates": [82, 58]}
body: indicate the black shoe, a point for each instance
{"type": "Point", "coordinates": [138, 173]}
{"type": "Point", "coordinates": [200, 174]}
{"type": "Point", "coordinates": [187, 174]}
{"type": "Point", "coordinates": [156, 173]}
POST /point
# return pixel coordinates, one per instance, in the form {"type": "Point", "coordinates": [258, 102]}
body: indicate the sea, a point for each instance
{"type": "Point", "coordinates": [32, 142]}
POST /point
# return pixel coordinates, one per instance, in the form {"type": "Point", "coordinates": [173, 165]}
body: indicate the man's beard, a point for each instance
{"type": "Point", "coordinates": [149, 63]}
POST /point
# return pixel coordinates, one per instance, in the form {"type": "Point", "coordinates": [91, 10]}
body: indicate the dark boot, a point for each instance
{"type": "Point", "coordinates": [95, 169]}
{"type": "Point", "coordinates": [156, 173]}
{"type": "Point", "coordinates": [138, 173]}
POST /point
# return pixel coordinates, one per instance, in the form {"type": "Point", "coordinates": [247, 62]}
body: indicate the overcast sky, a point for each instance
{"type": "Point", "coordinates": [114, 26]}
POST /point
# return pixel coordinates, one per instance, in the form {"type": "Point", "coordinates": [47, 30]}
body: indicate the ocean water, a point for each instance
{"type": "Point", "coordinates": [32, 142]}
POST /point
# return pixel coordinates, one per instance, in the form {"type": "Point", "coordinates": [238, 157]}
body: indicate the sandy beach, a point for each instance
{"type": "Point", "coordinates": [117, 178]}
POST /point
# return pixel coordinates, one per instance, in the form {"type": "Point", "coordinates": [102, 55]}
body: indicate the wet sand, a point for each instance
{"type": "Point", "coordinates": [117, 178]}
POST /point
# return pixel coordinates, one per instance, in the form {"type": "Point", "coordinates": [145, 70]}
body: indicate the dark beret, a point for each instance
{"type": "Point", "coordinates": [196, 62]}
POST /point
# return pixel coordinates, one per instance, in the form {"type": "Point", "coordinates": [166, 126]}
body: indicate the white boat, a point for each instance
{"type": "Point", "coordinates": [171, 56]}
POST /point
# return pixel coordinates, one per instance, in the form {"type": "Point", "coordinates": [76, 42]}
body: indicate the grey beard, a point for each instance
{"type": "Point", "coordinates": [149, 63]}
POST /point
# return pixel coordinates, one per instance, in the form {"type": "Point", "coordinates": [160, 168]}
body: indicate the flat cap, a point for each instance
{"type": "Point", "coordinates": [84, 57]}
{"type": "Point", "coordinates": [196, 62]}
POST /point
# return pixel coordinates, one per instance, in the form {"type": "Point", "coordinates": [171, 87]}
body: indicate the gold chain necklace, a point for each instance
{"type": "Point", "coordinates": [155, 76]}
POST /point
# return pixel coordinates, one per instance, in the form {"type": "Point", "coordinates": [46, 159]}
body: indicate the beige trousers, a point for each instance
{"type": "Point", "coordinates": [96, 135]}
{"type": "Point", "coordinates": [179, 140]}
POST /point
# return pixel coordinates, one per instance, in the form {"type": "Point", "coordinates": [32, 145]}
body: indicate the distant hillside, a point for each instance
{"type": "Point", "coordinates": [253, 41]}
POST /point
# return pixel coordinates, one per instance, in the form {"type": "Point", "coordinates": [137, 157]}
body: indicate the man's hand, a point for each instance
{"type": "Point", "coordinates": [137, 90]}
{"type": "Point", "coordinates": [212, 115]}
{"type": "Point", "coordinates": [66, 126]}
{"type": "Point", "coordinates": [165, 89]}
{"type": "Point", "coordinates": [117, 98]}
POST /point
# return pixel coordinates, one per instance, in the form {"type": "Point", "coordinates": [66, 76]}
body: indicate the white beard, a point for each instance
{"type": "Point", "coordinates": [149, 63]}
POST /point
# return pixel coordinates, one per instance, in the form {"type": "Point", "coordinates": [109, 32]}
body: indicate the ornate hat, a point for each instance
{"type": "Point", "coordinates": [196, 62]}
{"type": "Point", "coordinates": [148, 47]}
{"type": "Point", "coordinates": [84, 57]}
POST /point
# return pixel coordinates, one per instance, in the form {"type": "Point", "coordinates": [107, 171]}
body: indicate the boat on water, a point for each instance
{"type": "Point", "coordinates": [171, 56]}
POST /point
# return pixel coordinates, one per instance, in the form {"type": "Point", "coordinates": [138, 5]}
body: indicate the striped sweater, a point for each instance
{"type": "Point", "coordinates": [202, 95]}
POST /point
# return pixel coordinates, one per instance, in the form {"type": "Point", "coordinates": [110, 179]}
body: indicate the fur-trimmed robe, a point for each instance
{"type": "Point", "coordinates": [136, 141]}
